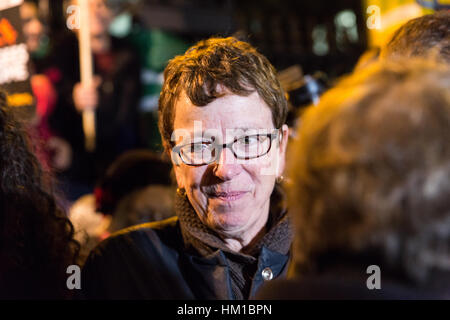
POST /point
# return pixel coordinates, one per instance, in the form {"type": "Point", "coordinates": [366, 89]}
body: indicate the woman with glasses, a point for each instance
{"type": "Point", "coordinates": [222, 113]}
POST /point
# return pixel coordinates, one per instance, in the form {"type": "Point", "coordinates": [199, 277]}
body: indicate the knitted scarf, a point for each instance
{"type": "Point", "coordinates": [242, 266]}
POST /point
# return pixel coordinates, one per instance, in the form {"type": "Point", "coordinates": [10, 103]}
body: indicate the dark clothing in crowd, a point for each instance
{"type": "Point", "coordinates": [180, 258]}
{"type": "Point", "coordinates": [334, 287]}
{"type": "Point", "coordinates": [348, 280]}
{"type": "Point", "coordinates": [19, 282]}
{"type": "Point", "coordinates": [116, 114]}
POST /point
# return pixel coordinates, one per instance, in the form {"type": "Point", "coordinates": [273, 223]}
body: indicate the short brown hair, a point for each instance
{"type": "Point", "coordinates": [228, 62]}
{"type": "Point", "coordinates": [371, 170]}
{"type": "Point", "coordinates": [425, 36]}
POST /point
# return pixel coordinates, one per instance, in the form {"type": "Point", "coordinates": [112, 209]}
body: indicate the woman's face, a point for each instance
{"type": "Point", "coordinates": [230, 196]}
{"type": "Point", "coordinates": [32, 27]}
{"type": "Point", "coordinates": [100, 17]}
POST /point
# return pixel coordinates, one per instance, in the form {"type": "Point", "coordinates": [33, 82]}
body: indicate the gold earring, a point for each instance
{"type": "Point", "coordinates": [279, 179]}
{"type": "Point", "coordinates": [181, 192]}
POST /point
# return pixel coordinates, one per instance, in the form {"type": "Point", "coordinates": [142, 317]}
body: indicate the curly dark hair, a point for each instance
{"type": "Point", "coordinates": [228, 62]}
{"type": "Point", "coordinates": [36, 237]}
{"type": "Point", "coordinates": [371, 171]}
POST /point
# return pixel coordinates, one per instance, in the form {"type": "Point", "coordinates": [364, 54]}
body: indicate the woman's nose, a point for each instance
{"type": "Point", "coordinates": [226, 166]}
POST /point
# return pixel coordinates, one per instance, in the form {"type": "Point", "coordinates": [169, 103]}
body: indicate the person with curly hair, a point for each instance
{"type": "Point", "coordinates": [36, 238]}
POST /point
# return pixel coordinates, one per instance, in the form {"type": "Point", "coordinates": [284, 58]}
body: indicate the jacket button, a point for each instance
{"type": "Point", "coordinates": [267, 274]}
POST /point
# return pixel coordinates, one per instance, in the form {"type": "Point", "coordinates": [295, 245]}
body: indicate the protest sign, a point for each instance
{"type": "Point", "coordinates": [14, 61]}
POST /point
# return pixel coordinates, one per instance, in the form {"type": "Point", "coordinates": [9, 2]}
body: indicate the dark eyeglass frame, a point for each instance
{"type": "Point", "coordinates": [220, 147]}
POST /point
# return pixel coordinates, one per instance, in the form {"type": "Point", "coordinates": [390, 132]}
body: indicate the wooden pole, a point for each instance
{"type": "Point", "coordinates": [86, 73]}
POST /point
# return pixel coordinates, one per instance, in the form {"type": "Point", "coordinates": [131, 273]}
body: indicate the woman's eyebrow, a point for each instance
{"type": "Point", "coordinates": [245, 129]}
{"type": "Point", "coordinates": [248, 128]}
{"type": "Point", "coordinates": [254, 130]}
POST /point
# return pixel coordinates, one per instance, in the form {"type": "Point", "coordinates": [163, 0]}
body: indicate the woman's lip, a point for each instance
{"type": "Point", "coordinates": [228, 196]}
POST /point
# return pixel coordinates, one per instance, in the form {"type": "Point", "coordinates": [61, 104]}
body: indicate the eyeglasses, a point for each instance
{"type": "Point", "coordinates": [245, 148]}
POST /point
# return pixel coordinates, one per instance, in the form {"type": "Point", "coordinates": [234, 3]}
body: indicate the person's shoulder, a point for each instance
{"type": "Point", "coordinates": [139, 242]}
{"type": "Point", "coordinates": [138, 252]}
{"type": "Point", "coordinates": [165, 232]}
{"type": "Point", "coordinates": [155, 226]}
{"type": "Point", "coordinates": [156, 231]}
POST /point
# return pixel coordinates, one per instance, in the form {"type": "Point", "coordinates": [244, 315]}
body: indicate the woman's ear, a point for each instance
{"type": "Point", "coordinates": [176, 166]}
{"type": "Point", "coordinates": [282, 145]}
{"type": "Point", "coordinates": [178, 176]}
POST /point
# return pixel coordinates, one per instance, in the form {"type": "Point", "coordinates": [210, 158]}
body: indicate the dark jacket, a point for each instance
{"type": "Point", "coordinates": [150, 261]}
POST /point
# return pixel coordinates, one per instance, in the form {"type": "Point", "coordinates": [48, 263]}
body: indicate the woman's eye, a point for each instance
{"type": "Point", "coordinates": [248, 140]}
{"type": "Point", "coordinates": [198, 147]}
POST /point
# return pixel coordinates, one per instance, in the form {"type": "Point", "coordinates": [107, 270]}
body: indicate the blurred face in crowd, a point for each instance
{"type": "Point", "coordinates": [229, 195]}
{"type": "Point", "coordinates": [32, 27]}
{"type": "Point", "coordinates": [100, 17]}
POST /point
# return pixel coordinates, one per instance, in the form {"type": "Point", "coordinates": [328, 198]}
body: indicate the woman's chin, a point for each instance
{"type": "Point", "coordinates": [229, 222]}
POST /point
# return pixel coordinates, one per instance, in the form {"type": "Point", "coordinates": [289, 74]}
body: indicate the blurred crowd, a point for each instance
{"type": "Point", "coordinates": [125, 104]}
{"type": "Point", "coordinates": [124, 99]}
{"type": "Point", "coordinates": [367, 178]}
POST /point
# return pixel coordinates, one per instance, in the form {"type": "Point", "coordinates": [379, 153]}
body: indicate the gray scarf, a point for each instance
{"type": "Point", "coordinates": [242, 266]}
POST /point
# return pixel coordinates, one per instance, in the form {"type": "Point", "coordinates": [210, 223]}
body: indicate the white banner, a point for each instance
{"type": "Point", "coordinates": [5, 4]}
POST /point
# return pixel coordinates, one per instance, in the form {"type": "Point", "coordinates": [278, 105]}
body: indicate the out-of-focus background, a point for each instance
{"type": "Point", "coordinates": [310, 43]}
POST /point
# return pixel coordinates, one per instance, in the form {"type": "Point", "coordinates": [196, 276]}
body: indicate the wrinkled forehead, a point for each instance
{"type": "Point", "coordinates": [224, 113]}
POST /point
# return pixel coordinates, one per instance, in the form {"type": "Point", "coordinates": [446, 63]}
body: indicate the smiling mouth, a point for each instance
{"type": "Point", "coordinates": [228, 196]}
